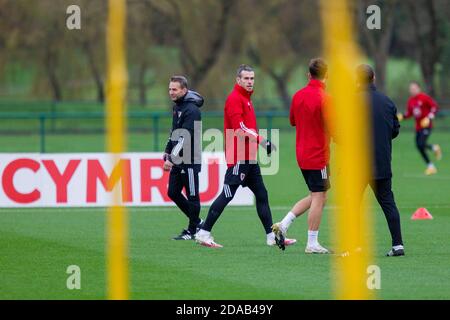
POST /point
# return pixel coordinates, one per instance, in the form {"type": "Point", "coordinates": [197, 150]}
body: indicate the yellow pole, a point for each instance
{"type": "Point", "coordinates": [117, 245]}
{"type": "Point", "coordinates": [351, 159]}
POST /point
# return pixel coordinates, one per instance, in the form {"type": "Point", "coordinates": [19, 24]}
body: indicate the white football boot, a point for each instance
{"type": "Point", "coordinates": [317, 249]}
{"type": "Point", "coordinates": [206, 240]}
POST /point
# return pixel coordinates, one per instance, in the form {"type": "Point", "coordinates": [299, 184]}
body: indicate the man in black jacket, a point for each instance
{"type": "Point", "coordinates": [183, 153]}
{"type": "Point", "coordinates": [385, 126]}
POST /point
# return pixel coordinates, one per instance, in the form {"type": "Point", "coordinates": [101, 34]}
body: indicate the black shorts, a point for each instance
{"type": "Point", "coordinates": [242, 174]}
{"type": "Point", "coordinates": [422, 136]}
{"type": "Point", "coordinates": [317, 180]}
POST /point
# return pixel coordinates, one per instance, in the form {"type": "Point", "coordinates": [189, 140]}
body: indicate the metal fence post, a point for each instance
{"type": "Point", "coordinates": [53, 111]}
{"type": "Point", "coordinates": [42, 132]}
{"type": "Point", "coordinates": [155, 132]}
{"type": "Point", "coordinates": [269, 125]}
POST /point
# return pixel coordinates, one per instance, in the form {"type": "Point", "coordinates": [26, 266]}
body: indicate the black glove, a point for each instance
{"type": "Point", "coordinates": [167, 157]}
{"type": "Point", "coordinates": [269, 146]}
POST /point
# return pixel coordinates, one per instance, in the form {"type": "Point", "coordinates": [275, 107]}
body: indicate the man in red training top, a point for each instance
{"type": "Point", "coordinates": [423, 108]}
{"type": "Point", "coordinates": [241, 144]}
{"type": "Point", "coordinates": [313, 153]}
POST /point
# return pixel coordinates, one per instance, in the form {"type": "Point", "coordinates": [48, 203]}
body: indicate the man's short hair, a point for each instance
{"type": "Point", "coordinates": [365, 74]}
{"type": "Point", "coordinates": [242, 68]}
{"type": "Point", "coordinates": [181, 80]}
{"type": "Point", "coordinates": [318, 68]}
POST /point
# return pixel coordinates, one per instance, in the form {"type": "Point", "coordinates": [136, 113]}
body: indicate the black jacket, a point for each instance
{"type": "Point", "coordinates": [386, 127]}
{"type": "Point", "coordinates": [186, 113]}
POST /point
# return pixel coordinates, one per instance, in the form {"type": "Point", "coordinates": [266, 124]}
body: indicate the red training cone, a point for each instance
{"type": "Point", "coordinates": [422, 214]}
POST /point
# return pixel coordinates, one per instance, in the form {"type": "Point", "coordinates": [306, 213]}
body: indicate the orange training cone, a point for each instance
{"type": "Point", "coordinates": [422, 214]}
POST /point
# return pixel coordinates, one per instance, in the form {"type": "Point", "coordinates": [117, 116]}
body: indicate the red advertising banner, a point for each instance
{"type": "Point", "coordinates": [88, 179]}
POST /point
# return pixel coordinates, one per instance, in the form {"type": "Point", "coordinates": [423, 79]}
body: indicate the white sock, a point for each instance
{"type": "Point", "coordinates": [203, 233]}
{"type": "Point", "coordinates": [287, 221]}
{"type": "Point", "coordinates": [431, 165]}
{"type": "Point", "coordinates": [398, 247]}
{"type": "Point", "coordinates": [313, 238]}
{"type": "Point", "coordinates": [271, 236]}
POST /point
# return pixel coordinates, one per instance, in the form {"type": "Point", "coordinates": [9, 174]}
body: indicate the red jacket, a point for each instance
{"type": "Point", "coordinates": [240, 119]}
{"type": "Point", "coordinates": [421, 106]}
{"type": "Point", "coordinates": [308, 116]}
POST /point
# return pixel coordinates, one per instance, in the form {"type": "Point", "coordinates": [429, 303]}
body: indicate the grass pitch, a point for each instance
{"type": "Point", "coordinates": [37, 245]}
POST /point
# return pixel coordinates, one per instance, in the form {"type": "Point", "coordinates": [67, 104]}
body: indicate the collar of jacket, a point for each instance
{"type": "Point", "coordinates": [370, 87]}
{"type": "Point", "coordinates": [180, 100]}
{"type": "Point", "coordinates": [242, 91]}
{"type": "Point", "coordinates": [316, 83]}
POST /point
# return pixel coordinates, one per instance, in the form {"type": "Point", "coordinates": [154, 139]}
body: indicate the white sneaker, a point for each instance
{"type": "Point", "coordinates": [316, 249]}
{"type": "Point", "coordinates": [206, 241]}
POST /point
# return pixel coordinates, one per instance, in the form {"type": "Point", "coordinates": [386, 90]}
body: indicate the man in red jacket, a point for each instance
{"type": "Point", "coordinates": [423, 108]}
{"type": "Point", "coordinates": [308, 115]}
{"type": "Point", "coordinates": [241, 145]}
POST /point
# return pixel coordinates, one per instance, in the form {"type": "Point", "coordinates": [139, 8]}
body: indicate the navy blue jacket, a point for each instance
{"type": "Point", "coordinates": [386, 127]}
{"type": "Point", "coordinates": [186, 112]}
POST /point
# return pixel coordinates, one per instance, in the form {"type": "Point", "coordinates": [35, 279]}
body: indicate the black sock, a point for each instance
{"type": "Point", "coordinates": [264, 213]}
{"type": "Point", "coordinates": [191, 208]}
{"type": "Point", "coordinates": [194, 220]}
{"type": "Point", "coordinates": [262, 203]}
{"type": "Point", "coordinates": [218, 206]}
{"type": "Point", "coordinates": [423, 153]}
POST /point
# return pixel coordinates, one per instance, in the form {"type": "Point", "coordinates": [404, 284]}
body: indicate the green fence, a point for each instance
{"type": "Point", "coordinates": [157, 124]}
{"type": "Point", "coordinates": [26, 131]}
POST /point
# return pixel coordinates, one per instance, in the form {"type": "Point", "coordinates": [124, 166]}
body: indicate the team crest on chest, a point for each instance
{"type": "Point", "coordinates": [242, 176]}
{"type": "Point", "coordinates": [417, 112]}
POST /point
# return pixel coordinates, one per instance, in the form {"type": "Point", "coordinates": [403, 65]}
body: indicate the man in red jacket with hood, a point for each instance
{"type": "Point", "coordinates": [241, 146]}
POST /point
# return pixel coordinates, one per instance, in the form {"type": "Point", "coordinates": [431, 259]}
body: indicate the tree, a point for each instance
{"type": "Point", "coordinates": [92, 42]}
{"type": "Point", "coordinates": [39, 28]}
{"type": "Point", "coordinates": [200, 30]}
{"type": "Point", "coordinates": [378, 42]}
{"type": "Point", "coordinates": [282, 38]}
{"type": "Point", "coordinates": [428, 40]}
{"type": "Point", "coordinates": [143, 37]}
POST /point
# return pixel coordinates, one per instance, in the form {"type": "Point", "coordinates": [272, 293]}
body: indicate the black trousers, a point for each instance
{"type": "Point", "coordinates": [383, 192]}
{"type": "Point", "coordinates": [186, 177]}
{"type": "Point", "coordinates": [422, 144]}
{"type": "Point", "coordinates": [246, 175]}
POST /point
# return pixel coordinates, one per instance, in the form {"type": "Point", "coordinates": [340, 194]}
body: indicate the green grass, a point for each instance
{"type": "Point", "coordinates": [37, 245]}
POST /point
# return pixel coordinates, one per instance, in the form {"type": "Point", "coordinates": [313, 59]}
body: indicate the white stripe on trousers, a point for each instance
{"type": "Point", "coordinates": [191, 181]}
{"type": "Point", "coordinates": [236, 169]}
{"type": "Point", "coordinates": [226, 189]}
